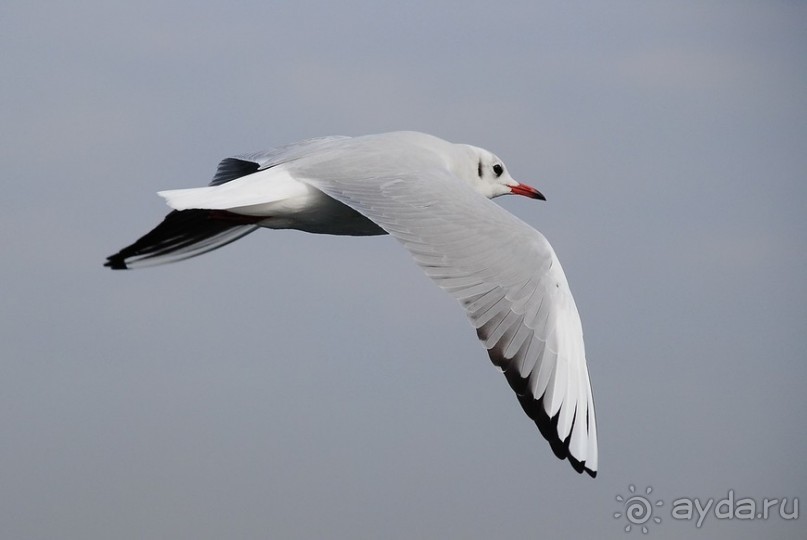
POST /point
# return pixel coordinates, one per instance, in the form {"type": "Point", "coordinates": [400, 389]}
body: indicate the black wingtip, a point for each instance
{"type": "Point", "coordinates": [580, 466]}
{"type": "Point", "coordinates": [549, 428]}
{"type": "Point", "coordinates": [183, 234]}
{"type": "Point", "coordinates": [115, 263]}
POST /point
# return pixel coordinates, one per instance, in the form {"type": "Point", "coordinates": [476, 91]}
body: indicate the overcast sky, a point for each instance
{"type": "Point", "coordinates": [303, 386]}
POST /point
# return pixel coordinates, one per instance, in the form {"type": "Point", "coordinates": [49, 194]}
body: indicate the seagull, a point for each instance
{"type": "Point", "coordinates": [432, 196]}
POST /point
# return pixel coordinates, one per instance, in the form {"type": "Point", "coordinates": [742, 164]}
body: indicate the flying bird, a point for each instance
{"type": "Point", "coordinates": [434, 198]}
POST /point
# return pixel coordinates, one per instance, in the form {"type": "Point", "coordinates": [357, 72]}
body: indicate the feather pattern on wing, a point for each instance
{"type": "Point", "coordinates": [506, 276]}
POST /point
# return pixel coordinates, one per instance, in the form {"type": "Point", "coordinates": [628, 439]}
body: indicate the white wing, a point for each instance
{"type": "Point", "coordinates": [507, 277]}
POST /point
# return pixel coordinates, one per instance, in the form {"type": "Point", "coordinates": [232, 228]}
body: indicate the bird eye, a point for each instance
{"type": "Point", "coordinates": [479, 169]}
{"type": "Point", "coordinates": [498, 170]}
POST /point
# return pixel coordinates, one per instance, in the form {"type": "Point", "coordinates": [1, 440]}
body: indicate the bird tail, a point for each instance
{"type": "Point", "coordinates": [181, 235]}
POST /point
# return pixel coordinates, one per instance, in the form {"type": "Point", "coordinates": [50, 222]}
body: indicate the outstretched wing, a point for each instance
{"type": "Point", "coordinates": [507, 277]}
{"type": "Point", "coordinates": [181, 235]}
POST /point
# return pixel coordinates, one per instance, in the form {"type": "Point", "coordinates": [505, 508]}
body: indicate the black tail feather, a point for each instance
{"type": "Point", "coordinates": [181, 235]}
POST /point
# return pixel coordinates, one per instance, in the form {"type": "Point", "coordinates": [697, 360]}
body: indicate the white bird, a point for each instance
{"type": "Point", "coordinates": [433, 197]}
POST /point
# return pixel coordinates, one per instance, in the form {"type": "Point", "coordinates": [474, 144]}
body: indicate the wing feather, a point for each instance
{"type": "Point", "coordinates": [506, 276]}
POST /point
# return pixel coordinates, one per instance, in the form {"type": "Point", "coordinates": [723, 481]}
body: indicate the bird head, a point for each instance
{"type": "Point", "coordinates": [488, 174]}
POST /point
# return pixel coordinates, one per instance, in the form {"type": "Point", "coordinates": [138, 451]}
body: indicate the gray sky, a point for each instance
{"type": "Point", "coordinates": [302, 386]}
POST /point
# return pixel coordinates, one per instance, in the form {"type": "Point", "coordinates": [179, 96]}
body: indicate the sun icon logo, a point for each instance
{"type": "Point", "coordinates": [638, 509]}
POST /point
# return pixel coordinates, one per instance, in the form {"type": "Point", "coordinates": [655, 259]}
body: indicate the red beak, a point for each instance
{"type": "Point", "coordinates": [527, 191]}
